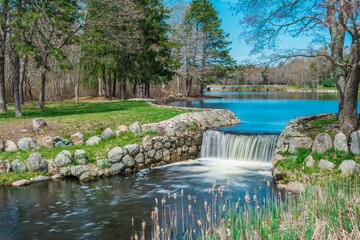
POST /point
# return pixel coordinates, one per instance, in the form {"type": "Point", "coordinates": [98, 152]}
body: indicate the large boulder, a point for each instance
{"type": "Point", "coordinates": [80, 157]}
{"type": "Point", "coordinates": [158, 155]}
{"type": "Point", "coordinates": [77, 171]}
{"type": "Point", "coordinates": [322, 143]}
{"type": "Point", "coordinates": [18, 166]}
{"type": "Point", "coordinates": [10, 146]}
{"type": "Point", "coordinates": [349, 167]}
{"type": "Point", "coordinates": [135, 128]}
{"type": "Point", "coordinates": [102, 163]}
{"type": "Point", "coordinates": [93, 141]}
{"type": "Point", "coordinates": [132, 149]}
{"type": "Point", "coordinates": [140, 158]}
{"type": "Point", "coordinates": [36, 163]}
{"type": "Point", "coordinates": [39, 123]}
{"type": "Point", "coordinates": [147, 143]}
{"type": "Point", "coordinates": [117, 168]}
{"type": "Point", "coordinates": [47, 142]}
{"type": "Point", "coordinates": [355, 142]}
{"type": "Point", "coordinates": [63, 159]}
{"type": "Point", "coordinates": [77, 139]}
{"type": "Point", "coordinates": [26, 144]}
{"type": "Point", "coordinates": [128, 161]}
{"type": "Point", "coordinates": [193, 150]}
{"type": "Point", "coordinates": [4, 166]}
{"type": "Point", "coordinates": [340, 142]}
{"type": "Point", "coordinates": [107, 134]}
{"type": "Point", "coordinates": [299, 142]}
{"type": "Point", "coordinates": [61, 142]}
{"type": "Point", "coordinates": [115, 155]}
{"type": "Point", "coordinates": [326, 165]}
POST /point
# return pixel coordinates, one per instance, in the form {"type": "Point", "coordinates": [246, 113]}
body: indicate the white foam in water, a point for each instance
{"type": "Point", "coordinates": [255, 148]}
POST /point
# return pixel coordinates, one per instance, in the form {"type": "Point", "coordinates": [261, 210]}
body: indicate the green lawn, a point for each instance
{"type": "Point", "coordinates": [91, 119]}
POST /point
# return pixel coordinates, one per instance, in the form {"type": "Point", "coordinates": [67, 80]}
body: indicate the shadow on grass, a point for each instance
{"type": "Point", "coordinates": [71, 108]}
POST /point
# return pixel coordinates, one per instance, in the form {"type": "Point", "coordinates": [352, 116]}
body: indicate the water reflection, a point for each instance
{"type": "Point", "coordinates": [276, 95]}
{"type": "Point", "coordinates": [267, 112]}
{"type": "Point", "coordinates": [69, 209]}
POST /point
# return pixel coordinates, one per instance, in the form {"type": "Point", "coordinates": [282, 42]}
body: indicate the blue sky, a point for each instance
{"type": "Point", "coordinates": [240, 51]}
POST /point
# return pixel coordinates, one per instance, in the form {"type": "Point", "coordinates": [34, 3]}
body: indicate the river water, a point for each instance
{"type": "Point", "coordinates": [69, 209]}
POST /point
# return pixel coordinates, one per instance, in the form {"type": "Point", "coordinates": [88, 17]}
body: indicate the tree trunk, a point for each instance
{"type": "Point", "coordinates": [99, 87]}
{"type": "Point", "coordinates": [43, 73]}
{"type": "Point", "coordinates": [110, 86]}
{"type": "Point", "coordinates": [114, 84]}
{"type": "Point", "coordinates": [3, 35]}
{"type": "Point", "coordinates": [123, 88]}
{"type": "Point", "coordinates": [15, 70]}
{"type": "Point", "coordinates": [104, 82]}
{"type": "Point", "coordinates": [348, 116]}
{"type": "Point", "coordinates": [23, 79]}
{"type": "Point", "coordinates": [147, 89]}
{"type": "Point", "coordinates": [3, 107]}
{"type": "Point", "coordinates": [77, 85]}
{"type": "Point", "coordinates": [134, 90]}
{"type": "Point", "coordinates": [188, 85]}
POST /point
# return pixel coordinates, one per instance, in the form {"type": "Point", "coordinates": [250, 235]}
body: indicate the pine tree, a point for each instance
{"type": "Point", "coordinates": [212, 49]}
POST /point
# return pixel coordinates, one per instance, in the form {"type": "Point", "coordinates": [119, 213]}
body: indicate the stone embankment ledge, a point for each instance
{"type": "Point", "coordinates": [178, 139]}
{"type": "Point", "coordinates": [300, 133]}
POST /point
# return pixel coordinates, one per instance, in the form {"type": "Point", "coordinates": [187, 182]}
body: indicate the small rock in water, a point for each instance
{"type": "Point", "coordinates": [39, 179]}
{"type": "Point", "coordinates": [21, 183]}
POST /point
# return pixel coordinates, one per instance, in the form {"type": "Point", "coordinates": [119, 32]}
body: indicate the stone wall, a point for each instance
{"type": "Point", "coordinates": [177, 139]}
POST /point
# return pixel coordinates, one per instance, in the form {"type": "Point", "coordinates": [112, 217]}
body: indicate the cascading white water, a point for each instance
{"type": "Point", "coordinates": [259, 148]}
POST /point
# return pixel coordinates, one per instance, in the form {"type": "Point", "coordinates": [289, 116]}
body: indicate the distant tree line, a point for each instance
{"type": "Point", "coordinates": [300, 73]}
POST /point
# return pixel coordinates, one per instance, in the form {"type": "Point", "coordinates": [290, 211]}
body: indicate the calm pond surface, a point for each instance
{"type": "Point", "coordinates": [268, 112]}
{"type": "Point", "coordinates": [103, 209]}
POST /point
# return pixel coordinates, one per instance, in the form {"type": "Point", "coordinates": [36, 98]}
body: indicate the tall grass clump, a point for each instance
{"type": "Point", "coordinates": [331, 211]}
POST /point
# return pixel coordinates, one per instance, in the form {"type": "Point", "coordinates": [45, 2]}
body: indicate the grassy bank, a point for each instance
{"type": "Point", "coordinates": [328, 211]}
{"type": "Point", "coordinates": [65, 119]}
{"type": "Point", "coordinates": [90, 118]}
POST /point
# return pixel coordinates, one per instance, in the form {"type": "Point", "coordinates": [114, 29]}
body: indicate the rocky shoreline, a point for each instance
{"type": "Point", "coordinates": [300, 134]}
{"type": "Point", "coordinates": [178, 139]}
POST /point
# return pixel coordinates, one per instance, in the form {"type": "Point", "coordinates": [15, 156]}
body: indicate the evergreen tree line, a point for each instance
{"type": "Point", "coordinates": [112, 48]}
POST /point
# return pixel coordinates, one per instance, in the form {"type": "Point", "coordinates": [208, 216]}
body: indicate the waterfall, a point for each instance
{"type": "Point", "coordinates": [259, 148]}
